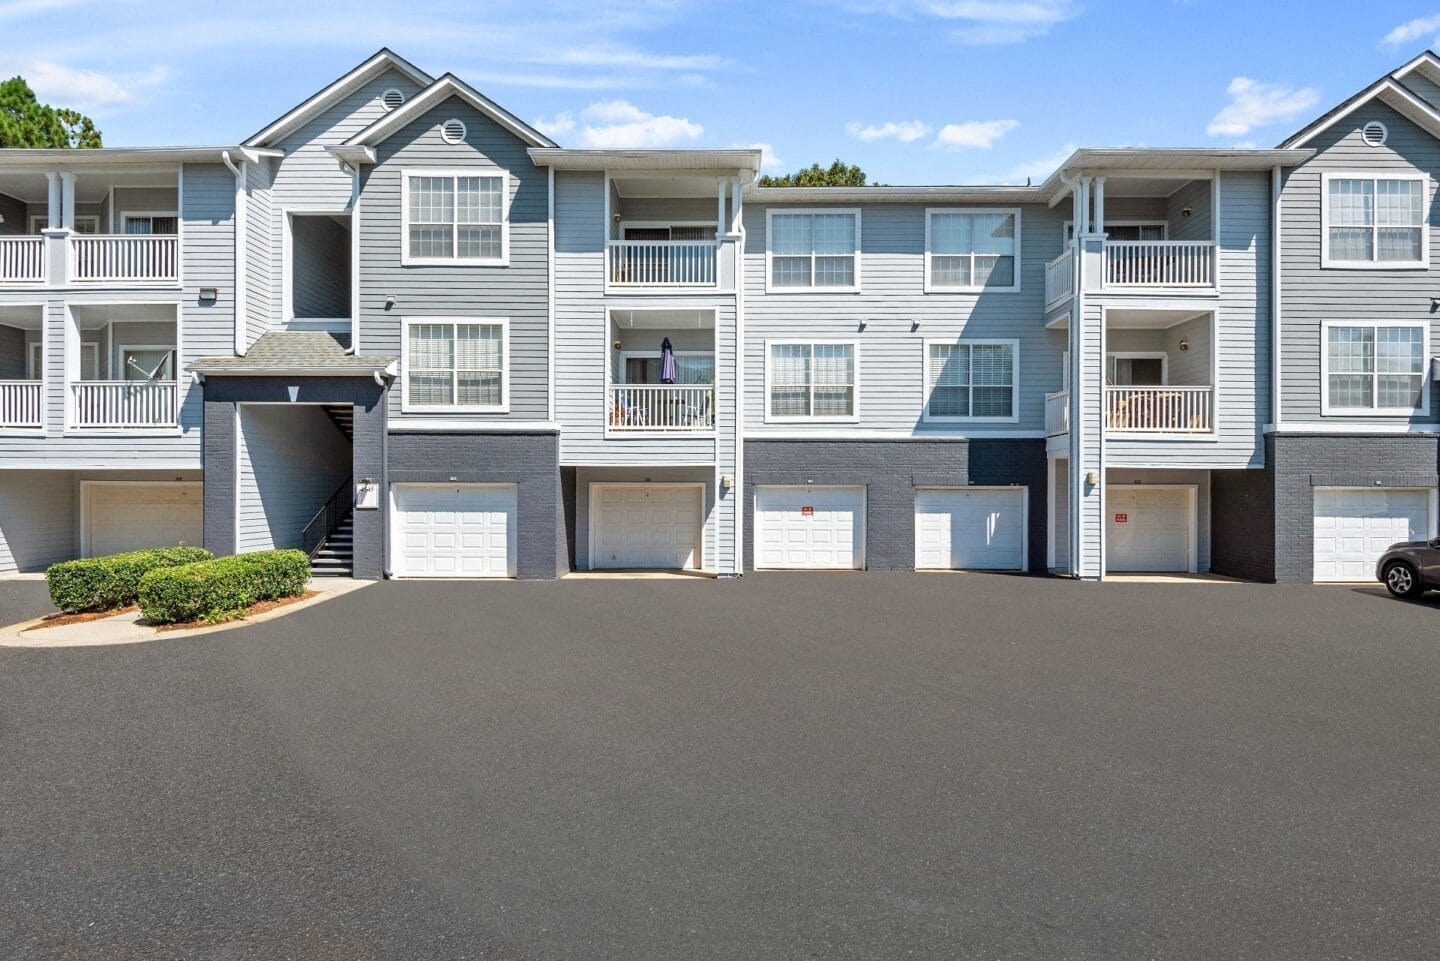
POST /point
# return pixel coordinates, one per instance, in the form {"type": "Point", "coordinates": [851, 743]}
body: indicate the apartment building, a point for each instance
{"type": "Point", "coordinates": [404, 330]}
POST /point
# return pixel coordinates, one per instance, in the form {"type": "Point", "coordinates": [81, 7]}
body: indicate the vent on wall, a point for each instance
{"type": "Point", "coordinates": [453, 131]}
{"type": "Point", "coordinates": [392, 98]}
{"type": "Point", "coordinates": [1374, 134]}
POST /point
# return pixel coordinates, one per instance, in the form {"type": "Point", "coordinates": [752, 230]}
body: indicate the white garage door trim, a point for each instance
{"type": "Point", "coordinates": [88, 487]}
{"type": "Point", "coordinates": [860, 532]}
{"type": "Point", "coordinates": [396, 531]}
{"type": "Point", "coordinates": [1191, 514]}
{"type": "Point", "coordinates": [1023, 493]}
{"type": "Point", "coordinates": [697, 486]}
{"type": "Point", "coordinates": [1432, 511]}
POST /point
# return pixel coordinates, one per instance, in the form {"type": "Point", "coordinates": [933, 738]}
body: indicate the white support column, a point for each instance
{"type": "Point", "coordinates": [1099, 205]}
{"type": "Point", "coordinates": [52, 209]}
{"type": "Point", "coordinates": [719, 207]}
{"type": "Point", "coordinates": [68, 202]}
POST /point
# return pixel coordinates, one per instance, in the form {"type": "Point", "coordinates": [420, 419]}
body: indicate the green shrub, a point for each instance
{"type": "Point", "coordinates": [219, 589]}
{"type": "Point", "coordinates": [102, 583]}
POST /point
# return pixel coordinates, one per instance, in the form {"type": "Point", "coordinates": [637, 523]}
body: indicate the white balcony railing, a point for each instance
{"type": "Point", "coordinates": [662, 263]}
{"type": "Point", "coordinates": [20, 403]}
{"type": "Point", "coordinates": [1060, 278]}
{"type": "Point", "coordinates": [1159, 263]}
{"type": "Point", "coordinates": [672, 408]}
{"type": "Point", "coordinates": [125, 403]}
{"type": "Point", "coordinates": [1159, 410]}
{"type": "Point", "coordinates": [1057, 413]}
{"type": "Point", "coordinates": [22, 260]}
{"type": "Point", "coordinates": [150, 258]}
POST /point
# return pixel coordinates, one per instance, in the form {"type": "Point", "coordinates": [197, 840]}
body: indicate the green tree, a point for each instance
{"type": "Point", "coordinates": [26, 122]}
{"type": "Point", "coordinates": [839, 174]}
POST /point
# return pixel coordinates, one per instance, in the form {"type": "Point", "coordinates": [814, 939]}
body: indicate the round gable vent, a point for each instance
{"type": "Point", "coordinates": [453, 131]}
{"type": "Point", "coordinates": [392, 99]}
{"type": "Point", "coordinates": [1374, 134]}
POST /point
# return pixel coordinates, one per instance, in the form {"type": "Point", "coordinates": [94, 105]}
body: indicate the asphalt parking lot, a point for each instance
{"type": "Point", "coordinates": [789, 766]}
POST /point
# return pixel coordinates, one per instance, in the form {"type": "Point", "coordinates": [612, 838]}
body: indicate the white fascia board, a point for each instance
{"type": "Point", "coordinates": [442, 89]}
{"type": "Point", "coordinates": [383, 60]}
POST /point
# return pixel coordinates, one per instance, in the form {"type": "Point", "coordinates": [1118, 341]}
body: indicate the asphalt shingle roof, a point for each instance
{"type": "Point", "coordinates": [293, 350]}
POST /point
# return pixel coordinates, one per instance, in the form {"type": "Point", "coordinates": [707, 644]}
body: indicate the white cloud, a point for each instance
{"type": "Point", "coordinates": [769, 163]}
{"type": "Point", "coordinates": [1412, 30]}
{"type": "Point", "coordinates": [973, 134]}
{"type": "Point", "coordinates": [616, 124]}
{"type": "Point", "coordinates": [81, 89]}
{"type": "Point", "coordinates": [1254, 104]}
{"type": "Point", "coordinates": [980, 22]}
{"type": "Point", "coordinates": [905, 131]}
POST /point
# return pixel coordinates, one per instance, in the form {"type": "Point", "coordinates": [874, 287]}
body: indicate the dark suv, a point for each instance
{"type": "Point", "coordinates": [1410, 568]}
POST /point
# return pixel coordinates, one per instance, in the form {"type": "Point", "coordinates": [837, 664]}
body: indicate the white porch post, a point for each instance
{"type": "Point", "coordinates": [68, 201]}
{"type": "Point", "coordinates": [52, 208]}
{"type": "Point", "coordinates": [719, 207]}
{"type": "Point", "coordinates": [1099, 205]}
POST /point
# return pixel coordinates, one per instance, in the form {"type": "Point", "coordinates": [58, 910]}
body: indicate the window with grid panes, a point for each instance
{"type": "Point", "coordinates": [455, 364]}
{"type": "Point", "coordinates": [812, 381]}
{"type": "Point", "coordinates": [1375, 220]}
{"type": "Point", "coordinates": [970, 381]}
{"type": "Point", "coordinates": [1374, 367]}
{"type": "Point", "coordinates": [813, 250]}
{"type": "Point", "coordinates": [456, 217]}
{"type": "Point", "coordinates": [973, 250]}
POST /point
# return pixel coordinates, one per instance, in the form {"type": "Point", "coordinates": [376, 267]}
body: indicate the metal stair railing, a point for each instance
{"type": "Point", "coordinates": [340, 506]}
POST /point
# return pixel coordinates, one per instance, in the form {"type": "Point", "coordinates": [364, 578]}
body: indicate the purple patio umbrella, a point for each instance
{"type": "Point", "coordinates": [667, 362]}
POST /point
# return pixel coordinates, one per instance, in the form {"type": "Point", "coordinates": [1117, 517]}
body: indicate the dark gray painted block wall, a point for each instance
{"type": "Point", "coordinates": [890, 471]}
{"type": "Point", "coordinates": [1302, 462]}
{"type": "Point", "coordinates": [530, 461]}
{"type": "Point", "coordinates": [12, 353]}
{"type": "Point", "coordinates": [222, 394]}
{"type": "Point", "coordinates": [1242, 517]}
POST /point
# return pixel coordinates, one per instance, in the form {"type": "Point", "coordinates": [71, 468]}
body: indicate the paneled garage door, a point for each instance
{"type": "Point", "coordinates": [1354, 526]}
{"type": "Point", "coordinates": [809, 528]}
{"type": "Point", "coordinates": [646, 526]}
{"type": "Point", "coordinates": [970, 529]}
{"type": "Point", "coordinates": [1149, 528]}
{"type": "Point", "coordinates": [127, 516]}
{"type": "Point", "coordinates": [453, 530]}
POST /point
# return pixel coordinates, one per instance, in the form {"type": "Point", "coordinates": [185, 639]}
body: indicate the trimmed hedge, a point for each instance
{"type": "Point", "coordinates": [102, 583]}
{"type": "Point", "coordinates": [219, 589]}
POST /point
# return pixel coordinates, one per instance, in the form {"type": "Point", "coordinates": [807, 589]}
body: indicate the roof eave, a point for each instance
{"type": "Point", "coordinates": [447, 86]}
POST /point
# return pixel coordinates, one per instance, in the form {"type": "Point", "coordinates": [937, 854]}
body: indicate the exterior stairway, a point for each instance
{"type": "Point", "coordinates": [336, 557]}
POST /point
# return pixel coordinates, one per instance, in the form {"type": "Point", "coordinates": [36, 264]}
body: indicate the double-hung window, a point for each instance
{"type": "Point", "coordinates": [1375, 368]}
{"type": "Point", "coordinates": [814, 250]}
{"type": "Point", "coordinates": [455, 217]}
{"type": "Point", "coordinates": [971, 380]}
{"type": "Point", "coordinates": [1376, 222]}
{"type": "Point", "coordinates": [972, 250]}
{"type": "Point", "coordinates": [456, 365]}
{"type": "Point", "coordinates": [811, 381]}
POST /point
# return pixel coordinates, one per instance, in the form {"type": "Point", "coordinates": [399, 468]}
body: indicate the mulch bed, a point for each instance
{"type": "Point", "coordinates": [60, 620]}
{"type": "Point", "coordinates": [250, 611]}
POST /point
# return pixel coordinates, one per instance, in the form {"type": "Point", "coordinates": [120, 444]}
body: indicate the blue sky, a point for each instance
{"type": "Point", "coordinates": [915, 91]}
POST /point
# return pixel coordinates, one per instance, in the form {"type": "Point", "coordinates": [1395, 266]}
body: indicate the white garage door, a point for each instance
{"type": "Point", "coordinates": [130, 516]}
{"type": "Point", "coordinates": [970, 529]}
{"type": "Point", "coordinates": [646, 526]}
{"type": "Point", "coordinates": [1148, 528]}
{"type": "Point", "coordinates": [1353, 528]}
{"type": "Point", "coordinates": [453, 530]}
{"type": "Point", "coordinates": [809, 528]}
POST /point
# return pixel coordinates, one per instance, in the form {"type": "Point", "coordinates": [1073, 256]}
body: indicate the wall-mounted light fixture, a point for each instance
{"type": "Point", "coordinates": [1184, 343]}
{"type": "Point", "coordinates": [1186, 211]}
{"type": "Point", "coordinates": [861, 326]}
{"type": "Point", "coordinates": [208, 295]}
{"type": "Point", "coordinates": [389, 301]}
{"type": "Point", "coordinates": [617, 345]}
{"type": "Point", "coordinates": [914, 326]}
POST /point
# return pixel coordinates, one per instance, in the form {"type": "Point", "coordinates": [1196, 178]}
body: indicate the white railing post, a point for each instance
{"type": "Point", "coordinates": [672, 408]}
{"type": "Point", "coordinates": [113, 257]}
{"type": "Point", "coordinates": [20, 403]}
{"type": "Point", "coordinates": [125, 403]}
{"type": "Point", "coordinates": [1057, 413]}
{"type": "Point", "coordinates": [1059, 278]}
{"type": "Point", "coordinates": [661, 263]}
{"type": "Point", "coordinates": [22, 260]}
{"type": "Point", "coordinates": [1160, 263]}
{"type": "Point", "coordinates": [1159, 410]}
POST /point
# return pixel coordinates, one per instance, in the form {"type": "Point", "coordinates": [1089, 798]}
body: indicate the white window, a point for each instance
{"type": "Point", "coordinates": [971, 380]}
{"type": "Point", "coordinates": [972, 250]}
{"type": "Point", "coordinates": [813, 250]}
{"type": "Point", "coordinates": [1375, 222]}
{"type": "Point", "coordinates": [1370, 368]}
{"type": "Point", "coordinates": [455, 217]}
{"type": "Point", "coordinates": [456, 365]}
{"type": "Point", "coordinates": [811, 381]}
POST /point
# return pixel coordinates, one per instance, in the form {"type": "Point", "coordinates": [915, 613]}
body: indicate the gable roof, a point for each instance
{"type": "Point", "coordinates": [1390, 90]}
{"type": "Point", "coordinates": [295, 352]}
{"type": "Point", "coordinates": [438, 92]}
{"type": "Point", "coordinates": [383, 60]}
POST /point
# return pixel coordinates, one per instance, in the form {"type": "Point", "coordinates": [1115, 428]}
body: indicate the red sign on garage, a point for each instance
{"type": "Point", "coordinates": [1122, 518]}
{"type": "Point", "coordinates": [807, 511]}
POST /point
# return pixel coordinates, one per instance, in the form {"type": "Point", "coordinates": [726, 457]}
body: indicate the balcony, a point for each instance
{"type": "Point", "coordinates": [112, 258]}
{"type": "Point", "coordinates": [662, 408]}
{"type": "Point", "coordinates": [1060, 279]}
{"type": "Point", "coordinates": [22, 260]}
{"type": "Point", "coordinates": [1159, 263]}
{"type": "Point", "coordinates": [1057, 413]}
{"type": "Point", "coordinates": [20, 404]}
{"type": "Point", "coordinates": [124, 404]}
{"type": "Point", "coordinates": [1159, 410]}
{"type": "Point", "coordinates": [661, 263]}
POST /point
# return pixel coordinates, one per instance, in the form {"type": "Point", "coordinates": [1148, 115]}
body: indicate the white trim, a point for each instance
{"type": "Point", "coordinates": [1425, 385]}
{"type": "Point", "coordinates": [1364, 97]}
{"type": "Point", "coordinates": [436, 93]}
{"type": "Point", "coordinates": [550, 293]}
{"type": "Point", "coordinates": [1192, 511]}
{"type": "Point", "coordinates": [1329, 427]}
{"type": "Point", "coordinates": [372, 67]}
{"type": "Point", "coordinates": [1022, 489]}
{"type": "Point", "coordinates": [811, 342]}
{"type": "Point", "coordinates": [770, 288]}
{"type": "Point", "coordinates": [462, 425]}
{"type": "Point", "coordinates": [931, 288]}
{"type": "Point", "coordinates": [87, 486]}
{"type": "Point", "coordinates": [925, 389]}
{"type": "Point", "coordinates": [1328, 263]}
{"type": "Point", "coordinates": [456, 139]}
{"type": "Point", "coordinates": [505, 373]}
{"type": "Point", "coordinates": [892, 434]}
{"type": "Point", "coordinates": [700, 547]}
{"type": "Point", "coordinates": [409, 260]}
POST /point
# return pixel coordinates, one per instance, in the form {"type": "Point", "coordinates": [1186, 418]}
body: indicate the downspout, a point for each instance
{"type": "Point", "coordinates": [242, 320]}
{"type": "Point", "coordinates": [550, 293]}
{"type": "Point", "coordinates": [738, 489]}
{"type": "Point", "coordinates": [354, 171]}
{"type": "Point", "coordinates": [1276, 184]}
{"type": "Point", "coordinates": [1072, 502]}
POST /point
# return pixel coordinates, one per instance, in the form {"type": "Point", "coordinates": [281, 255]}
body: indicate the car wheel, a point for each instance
{"type": "Point", "coordinates": [1402, 580]}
